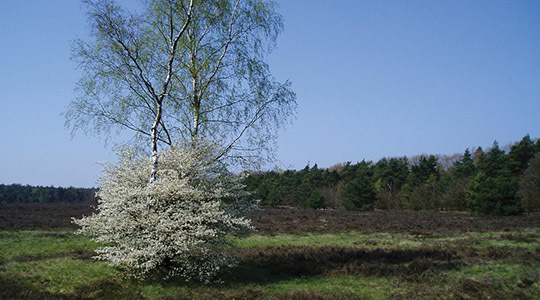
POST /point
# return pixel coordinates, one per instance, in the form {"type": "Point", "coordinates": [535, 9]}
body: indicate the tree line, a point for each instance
{"type": "Point", "coordinates": [478, 181]}
{"type": "Point", "coordinates": [481, 182]}
{"type": "Point", "coordinates": [16, 193]}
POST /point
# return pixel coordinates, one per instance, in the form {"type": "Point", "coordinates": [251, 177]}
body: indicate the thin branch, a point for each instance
{"type": "Point", "coordinates": [253, 120]}
{"type": "Point", "coordinates": [227, 44]}
{"type": "Point", "coordinates": [173, 51]}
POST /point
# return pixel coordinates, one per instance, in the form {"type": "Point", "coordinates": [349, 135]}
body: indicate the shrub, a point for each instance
{"type": "Point", "coordinates": [177, 224]}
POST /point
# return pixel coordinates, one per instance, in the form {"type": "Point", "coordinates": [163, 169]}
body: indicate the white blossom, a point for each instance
{"type": "Point", "coordinates": [179, 222]}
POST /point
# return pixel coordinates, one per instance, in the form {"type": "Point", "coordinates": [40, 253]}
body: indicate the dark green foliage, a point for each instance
{"type": "Point", "coordinates": [422, 189]}
{"type": "Point", "coordinates": [529, 186]}
{"type": "Point", "coordinates": [465, 167]}
{"type": "Point", "coordinates": [294, 188]}
{"type": "Point", "coordinates": [479, 181]}
{"type": "Point", "coordinates": [16, 193]}
{"type": "Point", "coordinates": [331, 179]}
{"type": "Point", "coordinates": [493, 195]}
{"type": "Point", "coordinates": [494, 189]}
{"type": "Point", "coordinates": [303, 192]}
{"type": "Point", "coordinates": [359, 194]}
{"type": "Point", "coordinates": [316, 200]}
{"type": "Point", "coordinates": [423, 170]}
{"type": "Point", "coordinates": [520, 155]}
{"type": "Point", "coordinates": [492, 162]}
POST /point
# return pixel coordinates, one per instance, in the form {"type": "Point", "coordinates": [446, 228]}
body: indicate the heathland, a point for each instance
{"type": "Point", "coordinates": [295, 254]}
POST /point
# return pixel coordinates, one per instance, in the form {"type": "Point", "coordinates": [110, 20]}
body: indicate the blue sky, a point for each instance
{"type": "Point", "coordinates": [373, 79]}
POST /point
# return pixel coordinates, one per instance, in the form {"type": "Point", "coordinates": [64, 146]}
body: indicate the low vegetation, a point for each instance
{"type": "Point", "coordinates": [296, 254]}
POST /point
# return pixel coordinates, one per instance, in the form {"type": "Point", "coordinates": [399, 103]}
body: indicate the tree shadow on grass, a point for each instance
{"type": "Point", "coordinates": [14, 287]}
{"type": "Point", "coordinates": [259, 267]}
{"type": "Point", "coordinates": [81, 254]}
{"type": "Point", "coordinates": [271, 264]}
{"type": "Point", "coordinates": [106, 289]}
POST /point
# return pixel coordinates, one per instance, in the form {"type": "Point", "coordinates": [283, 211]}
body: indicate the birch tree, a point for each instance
{"type": "Point", "coordinates": [178, 70]}
{"type": "Point", "coordinates": [189, 79]}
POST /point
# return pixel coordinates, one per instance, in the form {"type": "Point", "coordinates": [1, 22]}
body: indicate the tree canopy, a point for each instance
{"type": "Point", "coordinates": [189, 76]}
{"type": "Point", "coordinates": [177, 70]}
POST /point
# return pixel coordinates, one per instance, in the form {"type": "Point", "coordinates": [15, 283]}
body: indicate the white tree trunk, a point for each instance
{"type": "Point", "coordinates": [154, 140]}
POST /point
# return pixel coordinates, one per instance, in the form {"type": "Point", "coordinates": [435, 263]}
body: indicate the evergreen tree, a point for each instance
{"type": "Point", "coordinates": [422, 171]}
{"type": "Point", "coordinates": [493, 195]}
{"type": "Point", "coordinates": [359, 194]}
{"type": "Point", "coordinates": [316, 200]}
{"type": "Point", "coordinates": [493, 161]}
{"type": "Point", "coordinates": [303, 192]}
{"type": "Point", "coordinates": [520, 155]}
{"type": "Point", "coordinates": [493, 189]}
{"type": "Point", "coordinates": [529, 186]}
{"type": "Point", "coordinates": [465, 167]}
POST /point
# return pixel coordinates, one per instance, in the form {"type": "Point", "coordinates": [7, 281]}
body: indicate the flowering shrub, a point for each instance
{"type": "Point", "coordinates": [179, 223]}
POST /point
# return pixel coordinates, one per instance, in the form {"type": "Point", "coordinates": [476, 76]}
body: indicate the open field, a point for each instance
{"type": "Point", "coordinates": [296, 254]}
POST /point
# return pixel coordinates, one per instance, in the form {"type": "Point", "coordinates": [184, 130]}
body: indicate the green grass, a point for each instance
{"type": "Point", "coordinates": [346, 239]}
{"type": "Point", "coordinates": [527, 238]}
{"type": "Point", "coordinates": [49, 264]}
{"type": "Point", "coordinates": [40, 243]}
{"type": "Point", "coordinates": [351, 286]}
{"type": "Point", "coordinates": [61, 275]}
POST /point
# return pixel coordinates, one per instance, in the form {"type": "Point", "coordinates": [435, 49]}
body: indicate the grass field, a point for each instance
{"type": "Point", "coordinates": [416, 256]}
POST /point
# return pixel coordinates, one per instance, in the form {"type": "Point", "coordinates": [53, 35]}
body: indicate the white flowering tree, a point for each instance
{"type": "Point", "coordinates": [179, 223]}
{"type": "Point", "coordinates": [177, 71]}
